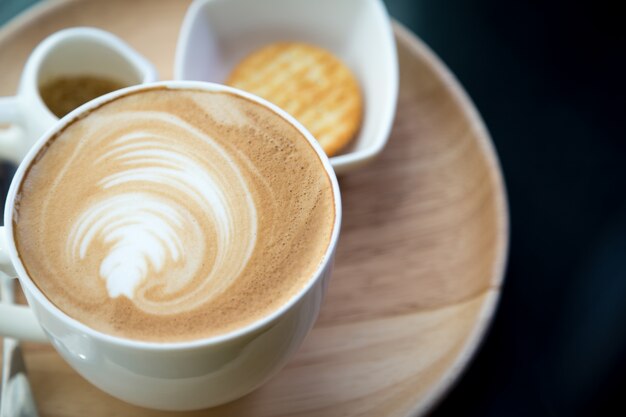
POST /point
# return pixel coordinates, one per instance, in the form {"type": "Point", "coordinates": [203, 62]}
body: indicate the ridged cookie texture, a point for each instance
{"type": "Point", "coordinates": [309, 83]}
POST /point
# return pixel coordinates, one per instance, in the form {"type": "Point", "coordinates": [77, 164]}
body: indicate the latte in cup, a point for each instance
{"type": "Point", "coordinates": [173, 215]}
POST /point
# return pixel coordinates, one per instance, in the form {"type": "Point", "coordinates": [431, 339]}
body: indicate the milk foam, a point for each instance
{"type": "Point", "coordinates": [142, 231]}
{"type": "Point", "coordinates": [174, 216]}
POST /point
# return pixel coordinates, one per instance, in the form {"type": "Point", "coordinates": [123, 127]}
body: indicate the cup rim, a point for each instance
{"type": "Point", "coordinates": [33, 289]}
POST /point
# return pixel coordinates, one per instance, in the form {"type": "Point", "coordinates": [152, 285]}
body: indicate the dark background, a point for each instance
{"type": "Point", "coordinates": [548, 78]}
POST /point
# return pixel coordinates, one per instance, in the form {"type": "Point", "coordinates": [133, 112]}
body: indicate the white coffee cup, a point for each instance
{"type": "Point", "coordinates": [73, 51]}
{"type": "Point", "coordinates": [177, 375]}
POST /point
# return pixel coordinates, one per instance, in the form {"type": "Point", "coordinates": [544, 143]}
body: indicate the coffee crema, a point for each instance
{"type": "Point", "coordinates": [64, 94]}
{"type": "Point", "coordinates": [171, 215]}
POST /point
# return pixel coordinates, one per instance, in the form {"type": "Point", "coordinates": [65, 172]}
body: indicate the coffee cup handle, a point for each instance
{"type": "Point", "coordinates": [11, 139]}
{"type": "Point", "coordinates": [16, 321]}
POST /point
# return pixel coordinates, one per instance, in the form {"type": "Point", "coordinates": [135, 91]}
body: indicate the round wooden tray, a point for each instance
{"type": "Point", "coordinates": [419, 264]}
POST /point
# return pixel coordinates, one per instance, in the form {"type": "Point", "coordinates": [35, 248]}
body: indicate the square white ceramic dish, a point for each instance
{"type": "Point", "coordinates": [217, 34]}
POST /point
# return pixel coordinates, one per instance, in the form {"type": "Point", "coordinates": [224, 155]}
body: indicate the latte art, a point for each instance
{"type": "Point", "coordinates": [143, 228]}
{"type": "Point", "coordinates": [174, 215]}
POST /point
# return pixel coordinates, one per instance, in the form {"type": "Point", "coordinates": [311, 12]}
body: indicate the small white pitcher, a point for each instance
{"type": "Point", "coordinates": [69, 52]}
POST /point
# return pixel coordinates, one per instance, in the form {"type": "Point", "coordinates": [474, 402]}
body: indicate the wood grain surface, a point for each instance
{"type": "Point", "coordinates": [420, 259]}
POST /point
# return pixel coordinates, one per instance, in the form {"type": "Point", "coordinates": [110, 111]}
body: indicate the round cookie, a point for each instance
{"type": "Point", "coordinates": [309, 83]}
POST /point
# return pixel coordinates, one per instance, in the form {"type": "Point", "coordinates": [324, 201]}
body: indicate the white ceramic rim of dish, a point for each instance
{"type": "Point", "coordinates": [352, 159]}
